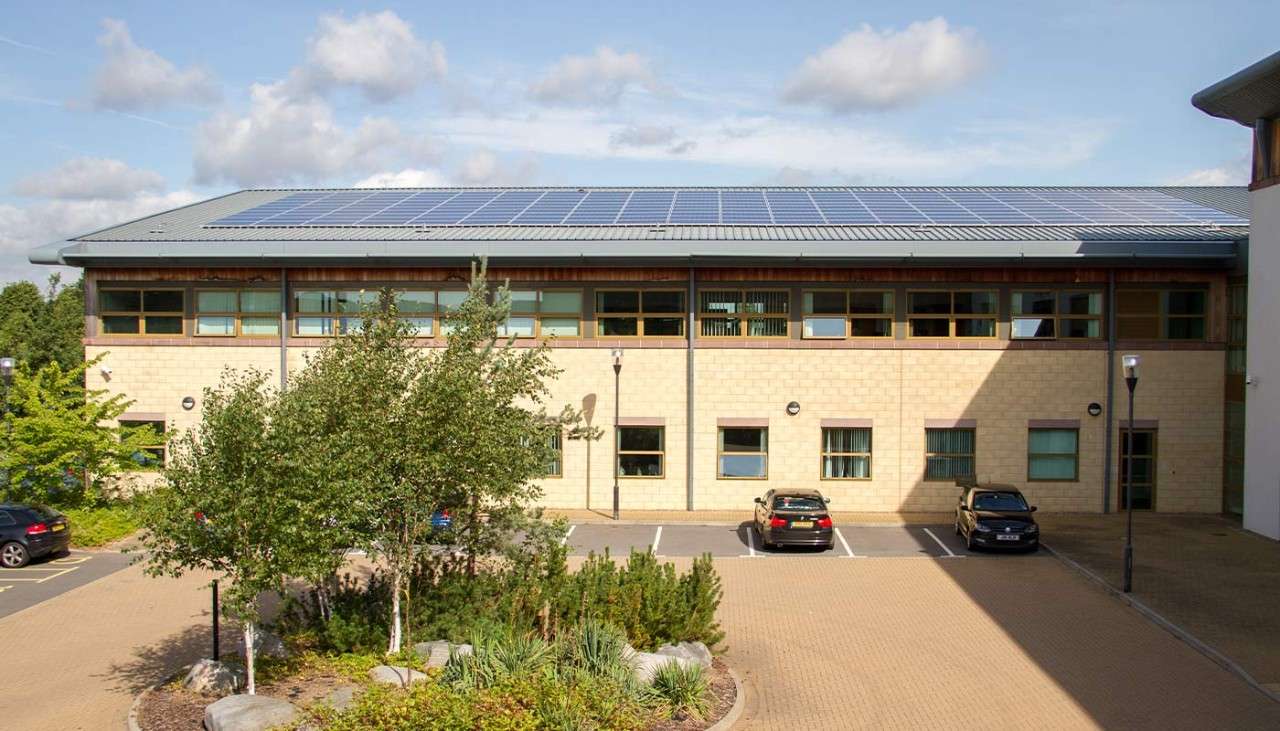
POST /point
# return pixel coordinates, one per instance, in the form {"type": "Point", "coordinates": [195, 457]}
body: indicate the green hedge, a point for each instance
{"type": "Point", "coordinates": [100, 525]}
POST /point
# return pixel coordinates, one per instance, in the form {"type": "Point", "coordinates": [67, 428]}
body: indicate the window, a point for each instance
{"type": "Point", "coordinates": [228, 312]}
{"type": "Point", "coordinates": [323, 313]}
{"type": "Point", "coordinates": [1048, 314]}
{"type": "Point", "coordinates": [1053, 454]}
{"type": "Point", "coordinates": [1151, 314]}
{"type": "Point", "coordinates": [1142, 455]}
{"type": "Point", "coordinates": [846, 453]}
{"type": "Point", "coordinates": [951, 314]}
{"type": "Point", "coordinates": [948, 453]}
{"type": "Point", "coordinates": [868, 314]}
{"type": "Point", "coordinates": [640, 451]}
{"type": "Point", "coordinates": [417, 308]}
{"type": "Point", "coordinates": [151, 457]}
{"type": "Point", "coordinates": [738, 313]}
{"type": "Point", "coordinates": [743, 453]}
{"type": "Point", "coordinates": [640, 313]}
{"type": "Point", "coordinates": [1237, 327]}
{"type": "Point", "coordinates": [555, 468]}
{"type": "Point", "coordinates": [544, 313]}
{"type": "Point", "coordinates": [141, 311]}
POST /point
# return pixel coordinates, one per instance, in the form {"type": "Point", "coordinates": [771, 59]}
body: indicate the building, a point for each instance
{"type": "Point", "coordinates": [875, 343]}
{"type": "Point", "coordinates": [1252, 98]}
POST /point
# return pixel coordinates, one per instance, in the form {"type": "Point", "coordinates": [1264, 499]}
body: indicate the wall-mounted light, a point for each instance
{"type": "Point", "coordinates": [793, 408]}
{"type": "Point", "coordinates": [1095, 408]}
{"type": "Point", "coordinates": [188, 403]}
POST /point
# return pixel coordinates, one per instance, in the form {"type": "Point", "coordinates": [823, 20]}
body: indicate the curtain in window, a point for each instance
{"type": "Point", "coordinates": [1052, 454]}
{"type": "Point", "coordinates": [949, 453]}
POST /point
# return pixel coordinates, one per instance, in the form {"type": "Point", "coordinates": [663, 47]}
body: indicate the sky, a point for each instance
{"type": "Point", "coordinates": [112, 111]}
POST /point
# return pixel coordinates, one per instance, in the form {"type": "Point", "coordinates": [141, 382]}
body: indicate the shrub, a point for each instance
{"type": "Point", "coordinates": [101, 524]}
{"type": "Point", "coordinates": [682, 689]}
{"type": "Point", "coordinates": [498, 656]}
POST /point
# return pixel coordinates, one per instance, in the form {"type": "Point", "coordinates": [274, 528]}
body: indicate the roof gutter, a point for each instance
{"type": "Point", "coordinates": [1248, 95]}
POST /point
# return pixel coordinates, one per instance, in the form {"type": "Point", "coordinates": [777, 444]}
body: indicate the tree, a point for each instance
{"type": "Point", "coordinates": [58, 437]}
{"type": "Point", "coordinates": [229, 505]}
{"type": "Point", "coordinates": [39, 328]}
{"type": "Point", "coordinates": [402, 432]}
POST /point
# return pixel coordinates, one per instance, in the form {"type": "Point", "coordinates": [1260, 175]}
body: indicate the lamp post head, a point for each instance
{"type": "Point", "coordinates": [6, 368]}
{"type": "Point", "coordinates": [1131, 363]}
{"type": "Point", "coordinates": [617, 358]}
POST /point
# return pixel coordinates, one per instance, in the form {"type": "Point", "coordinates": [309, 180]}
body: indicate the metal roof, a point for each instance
{"type": "Point", "coordinates": [183, 237]}
{"type": "Point", "coordinates": [1246, 96]}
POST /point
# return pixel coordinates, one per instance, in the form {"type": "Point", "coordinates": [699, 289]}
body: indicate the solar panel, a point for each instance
{"type": "Point", "coordinates": [735, 207]}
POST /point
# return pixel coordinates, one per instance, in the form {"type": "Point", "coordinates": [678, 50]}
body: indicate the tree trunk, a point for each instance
{"type": "Point", "coordinates": [394, 645]}
{"type": "Point", "coordinates": [249, 632]}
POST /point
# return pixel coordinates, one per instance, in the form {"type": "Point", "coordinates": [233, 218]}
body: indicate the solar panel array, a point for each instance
{"type": "Point", "coordinates": [742, 207]}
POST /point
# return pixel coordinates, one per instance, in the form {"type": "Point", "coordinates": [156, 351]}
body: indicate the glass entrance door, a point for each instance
{"type": "Point", "coordinates": [1143, 458]}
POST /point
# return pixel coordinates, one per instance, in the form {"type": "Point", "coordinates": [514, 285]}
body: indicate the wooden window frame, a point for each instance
{"type": "Point", "coordinates": [952, 317]}
{"type": "Point", "coordinates": [640, 316]}
{"type": "Point", "coordinates": [804, 315]}
{"type": "Point", "coordinates": [162, 447]}
{"type": "Point", "coordinates": [1122, 482]}
{"type": "Point", "coordinates": [823, 454]}
{"type": "Point", "coordinates": [973, 455]}
{"type": "Point", "coordinates": [1032, 455]}
{"type": "Point", "coordinates": [557, 446]}
{"type": "Point", "coordinates": [196, 313]}
{"type": "Point", "coordinates": [891, 316]}
{"type": "Point", "coordinates": [142, 312]}
{"type": "Point", "coordinates": [662, 453]}
{"type": "Point", "coordinates": [1057, 316]}
{"type": "Point", "coordinates": [721, 453]}
{"type": "Point", "coordinates": [538, 313]}
{"type": "Point", "coordinates": [433, 315]}
{"type": "Point", "coordinates": [1161, 315]}
{"type": "Point", "coordinates": [744, 317]}
{"type": "Point", "coordinates": [1234, 344]}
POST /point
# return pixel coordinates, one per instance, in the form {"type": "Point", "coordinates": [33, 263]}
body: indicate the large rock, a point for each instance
{"type": "Point", "coordinates": [248, 713]}
{"type": "Point", "coordinates": [693, 651]}
{"type": "Point", "coordinates": [395, 675]}
{"type": "Point", "coordinates": [436, 653]}
{"type": "Point", "coordinates": [340, 699]}
{"type": "Point", "coordinates": [646, 664]}
{"type": "Point", "coordinates": [267, 644]}
{"type": "Point", "coordinates": [213, 677]}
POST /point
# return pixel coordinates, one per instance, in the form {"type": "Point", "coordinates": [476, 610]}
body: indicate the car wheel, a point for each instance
{"type": "Point", "coordinates": [14, 555]}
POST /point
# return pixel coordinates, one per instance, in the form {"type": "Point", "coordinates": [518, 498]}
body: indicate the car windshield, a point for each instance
{"type": "Point", "coordinates": [798, 502]}
{"type": "Point", "coordinates": [999, 501]}
{"type": "Point", "coordinates": [44, 512]}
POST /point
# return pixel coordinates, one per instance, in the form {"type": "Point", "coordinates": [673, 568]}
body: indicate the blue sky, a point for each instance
{"type": "Point", "coordinates": [111, 111]}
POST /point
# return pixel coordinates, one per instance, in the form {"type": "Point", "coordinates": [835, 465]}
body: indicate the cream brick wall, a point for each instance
{"type": "Point", "coordinates": [897, 389]}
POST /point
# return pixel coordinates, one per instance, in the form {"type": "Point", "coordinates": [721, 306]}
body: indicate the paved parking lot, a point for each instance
{"type": "Point", "coordinates": [742, 541]}
{"type": "Point", "coordinates": [41, 580]}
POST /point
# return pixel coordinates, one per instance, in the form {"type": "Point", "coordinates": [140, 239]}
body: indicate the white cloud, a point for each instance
{"type": "Point", "coordinates": [132, 77]}
{"type": "Point", "coordinates": [596, 80]}
{"type": "Point", "coordinates": [483, 167]}
{"type": "Point", "coordinates": [285, 138]}
{"type": "Point", "coordinates": [378, 53]}
{"type": "Point", "coordinates": [407, 178]}
{"type": "Point", "coordinates": [651, 136]}
{"type": "Point", "coordinates": [1232, 174]}
{"type": "Point", "coordinates": [89, 177]}
{"type": "Point", "coordinates": [869, 69]}
{"type": "Point", "coordinates": [23, 228]}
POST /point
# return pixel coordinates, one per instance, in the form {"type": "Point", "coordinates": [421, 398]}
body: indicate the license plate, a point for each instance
{"type": "Point", "coordinates": [58, 526]}
{"type": "Point", "coordinates": [802, 524]}
{"type": "Point", "coordinates": [1007, 537]}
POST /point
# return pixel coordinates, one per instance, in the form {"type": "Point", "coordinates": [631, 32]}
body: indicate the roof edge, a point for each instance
{"type": "Point", "coordinates": [1215, 100]}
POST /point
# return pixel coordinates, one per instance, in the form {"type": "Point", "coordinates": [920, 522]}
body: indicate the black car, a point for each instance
{"type": "Point", "coordinates": [31, 531]}
{"type": "Point", "coordinates": [793, 518]}
{"type": "Point", "coordinates": [996, 516]}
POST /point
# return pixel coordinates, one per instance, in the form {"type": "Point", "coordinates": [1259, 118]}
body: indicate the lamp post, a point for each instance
{"type": "Point", "coordinates": [6, 373]}
{"type": "Point", "coordinates": [1131, 363]}
{"type": "Point", "coordinates": [617, 379]}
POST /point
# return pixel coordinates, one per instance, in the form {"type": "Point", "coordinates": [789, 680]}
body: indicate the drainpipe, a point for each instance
{"type": "Point", "coordinates": [688, 439]}
{"type": "Point", "coordinates": [284, 329]}
{"type": "Point", "coordinates": [1111, 388]}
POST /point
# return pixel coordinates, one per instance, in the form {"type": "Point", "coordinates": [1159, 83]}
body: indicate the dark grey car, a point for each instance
{"type": "Point", "coordinates": [31, 531]}
{"type": "Point", "coordinates": [794, 518]}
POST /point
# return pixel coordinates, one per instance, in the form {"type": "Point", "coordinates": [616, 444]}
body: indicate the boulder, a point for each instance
{"type": "Point", "coordinates": [395, 675]}
{"type": "Point", "coordinates": [267, 644]}
{"type": "Point", "coordinates": [463, 649]}
{"type": "Point", "coordinates": [628, 652]}
{"type": "Point", "coordinates": [213, 677]}
{"type": "Point", "coordinates": [436, 653]}
{"type": "Point", "coordinates": [693, 651]}
{"type": "Point", "coordinates": [646, 664]}
{"type": "Point", "coordinates": [248, 713]}
{"type": "Point", "coordinates": [341, 698]}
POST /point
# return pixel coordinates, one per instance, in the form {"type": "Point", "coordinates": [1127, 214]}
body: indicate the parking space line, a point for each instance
{"type": "Point", "coordinates": [942, 545]}
{"type": "Point", "coordinates": [848, 551]}
{"type": "Point", "coordinates": [60, 573]}
{"type": "Point", "coordinates": [751, 544]}
{"type": "Point", "coordinates": [565, 538]}
{"type": "Point", "coordinates": [71, 560]}
{"type": "Point", "coordinates": [657, 538]}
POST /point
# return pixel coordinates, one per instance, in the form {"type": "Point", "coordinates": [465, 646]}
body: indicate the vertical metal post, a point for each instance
{"type": "Point", "coordinates": [1111, 390]}
{"type": "Point", "coordinates": [1128, 494]}
{"type": "Point", "coordinates": [617, 391]}
{"type": "Point", "coordinates": [689, 396]}
{"type": "Point", "coordinates": [216, 651]}
{"type": "Point", "coordinates": [284, 328]}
